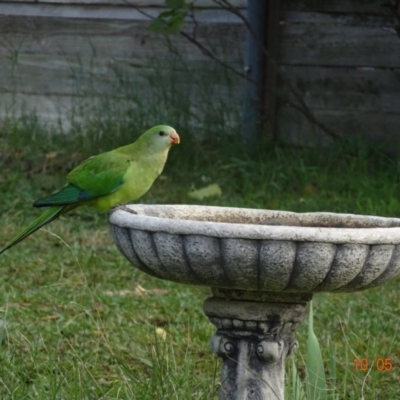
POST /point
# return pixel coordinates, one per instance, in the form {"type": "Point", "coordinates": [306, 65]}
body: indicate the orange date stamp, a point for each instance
{"type": "Point", "coordinates": [381, 364]}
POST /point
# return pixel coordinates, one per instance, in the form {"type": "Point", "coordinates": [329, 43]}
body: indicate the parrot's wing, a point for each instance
{"type": "Point", "coordinates": [98, 176]}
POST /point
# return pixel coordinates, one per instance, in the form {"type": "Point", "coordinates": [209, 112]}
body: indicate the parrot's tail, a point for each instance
{"type": "Point", "coordinates": [49, 215]}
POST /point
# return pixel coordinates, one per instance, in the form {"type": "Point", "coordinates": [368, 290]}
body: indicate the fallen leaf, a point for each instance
{"type": "Point", "coordinates": [137, 291]}
{"type": "Point", "coordinates": [104, 381]}
{"type": "Point", "coordinates": [207, 191]}
{"type": "Point", "coordinates": [50, 317]}
{"type": "Point", "coordinates": [97, 307]}
{"type": "Point", "coordinates": [21, 304]}
{"type": "Point", "coordinates": [162, 333]}
{"type": "Point", "coordinates": [52, 154]}
{"type": "Point", "coordinates": [310, 189]}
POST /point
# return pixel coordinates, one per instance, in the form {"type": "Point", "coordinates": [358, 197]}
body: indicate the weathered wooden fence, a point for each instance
{"type": "Point", "coordinates": [342, 57]}
{"type": "Point", "coordinates": [53, 52]}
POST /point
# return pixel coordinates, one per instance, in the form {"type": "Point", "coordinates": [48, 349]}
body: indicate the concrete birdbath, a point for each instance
{"type": "Point", "coordinates": [263, 267]}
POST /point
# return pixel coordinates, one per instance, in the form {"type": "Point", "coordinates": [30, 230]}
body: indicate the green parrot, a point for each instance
{"type": "Point", "coordinates": [108, 179]}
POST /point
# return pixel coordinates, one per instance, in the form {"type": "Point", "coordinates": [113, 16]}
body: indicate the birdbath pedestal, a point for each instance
{"type": "Point", "coordinates": [263, 267]}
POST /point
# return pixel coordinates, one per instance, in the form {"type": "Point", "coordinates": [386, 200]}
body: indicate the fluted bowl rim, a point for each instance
{"type": "Point", "coordinates": [259, 224]}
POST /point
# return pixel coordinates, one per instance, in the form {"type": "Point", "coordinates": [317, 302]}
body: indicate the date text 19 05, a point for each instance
{"type": "Point", "coordinates": [381, 364]}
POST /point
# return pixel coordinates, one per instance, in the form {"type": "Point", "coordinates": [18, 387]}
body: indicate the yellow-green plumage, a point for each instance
{"type": "Point", "coordinates": [108, 179]}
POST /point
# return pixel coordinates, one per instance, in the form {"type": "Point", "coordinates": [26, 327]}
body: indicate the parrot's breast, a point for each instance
{"type": "Point", "coordinates": [137, 180]}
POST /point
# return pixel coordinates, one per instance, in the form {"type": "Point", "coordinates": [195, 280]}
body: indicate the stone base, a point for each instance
{"type": "Point", "coordinates": [253, 339]}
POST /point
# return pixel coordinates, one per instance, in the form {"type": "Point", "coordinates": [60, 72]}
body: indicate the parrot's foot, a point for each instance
{"type": "Point", "coordinates": [122, 207]}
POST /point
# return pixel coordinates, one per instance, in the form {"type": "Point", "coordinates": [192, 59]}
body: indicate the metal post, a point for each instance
{"type": "Point", "coordinates": [254, 69]}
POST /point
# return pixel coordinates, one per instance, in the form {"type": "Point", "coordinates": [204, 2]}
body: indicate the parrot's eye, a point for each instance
{"type": "Point", "coordinates": [161, 133]}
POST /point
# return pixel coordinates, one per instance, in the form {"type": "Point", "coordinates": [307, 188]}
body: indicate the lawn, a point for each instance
{"type": "Point", "coordinates": [79, 322]}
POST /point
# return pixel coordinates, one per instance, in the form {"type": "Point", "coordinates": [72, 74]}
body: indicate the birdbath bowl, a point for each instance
{"type": "Point", "coordinates": [263, 267]}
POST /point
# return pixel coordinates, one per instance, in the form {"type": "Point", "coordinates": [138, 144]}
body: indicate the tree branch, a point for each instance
{"type": "Point", "coordinates": [302, 107]}
{"type": "Point", "coordinates": [192, 39]}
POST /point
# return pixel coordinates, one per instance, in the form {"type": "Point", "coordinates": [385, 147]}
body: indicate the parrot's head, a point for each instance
{"type": "Point", "coordinates": [161, 137]}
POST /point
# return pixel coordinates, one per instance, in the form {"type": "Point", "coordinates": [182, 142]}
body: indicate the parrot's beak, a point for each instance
{"type": "Point", "coordinates": [175, 139]}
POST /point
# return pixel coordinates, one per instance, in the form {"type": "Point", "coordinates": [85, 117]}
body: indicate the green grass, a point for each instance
{"type": "Point", "coordinates": [72, 325]}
